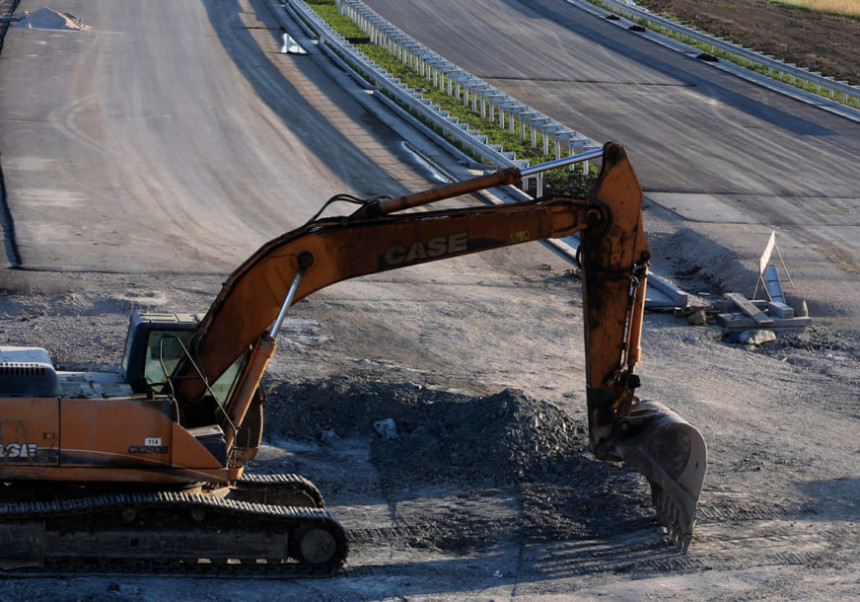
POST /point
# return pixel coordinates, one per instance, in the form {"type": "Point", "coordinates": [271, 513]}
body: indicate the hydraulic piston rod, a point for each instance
{"type": "Point", "coordinates": [564, 161]}
{"type": "Point", "coordinates": [507, 176]}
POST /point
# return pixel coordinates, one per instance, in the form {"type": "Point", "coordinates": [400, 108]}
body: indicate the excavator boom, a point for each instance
{"type": "Point", "coordinates": [379, 237]}
{"type": "Point", "coordinates": [336, 249]}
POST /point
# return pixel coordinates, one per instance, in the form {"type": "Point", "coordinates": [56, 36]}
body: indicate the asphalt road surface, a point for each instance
{"type": "Point", "coordinates": [731, 157]}
{"type": "Point", "coordinates": [168, 138]}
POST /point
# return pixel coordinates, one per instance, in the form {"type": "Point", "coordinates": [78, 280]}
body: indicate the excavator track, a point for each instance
{"type": "Point", "coordinates": [278, 489]}
{"type": "Point", "coordinates": [169, 532]}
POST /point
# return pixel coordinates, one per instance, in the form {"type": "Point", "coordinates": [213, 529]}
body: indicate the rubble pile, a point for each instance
{"type": "Point", "coordinates": [435, 436]}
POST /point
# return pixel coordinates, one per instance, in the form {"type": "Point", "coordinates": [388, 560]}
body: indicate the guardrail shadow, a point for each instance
{"type": "Point", "coordinates": [314, 129]}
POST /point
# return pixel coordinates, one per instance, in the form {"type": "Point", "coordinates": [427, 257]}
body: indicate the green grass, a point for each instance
{"type": "Point", "coordinates": [327, 10]}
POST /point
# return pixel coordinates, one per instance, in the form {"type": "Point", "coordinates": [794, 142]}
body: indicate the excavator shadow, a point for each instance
{"type": "Point", "coordinates": [457, 475]}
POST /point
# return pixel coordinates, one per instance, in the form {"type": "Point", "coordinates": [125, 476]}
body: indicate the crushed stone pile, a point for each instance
{"type": "Point", "coordinates": [47, 18]}
{"type": "Point", "coordinates": [490, 441]}
{"type": "Point", "coordinates": [425, 440]}
{"type": "Point", "coordinates": [428, 436]}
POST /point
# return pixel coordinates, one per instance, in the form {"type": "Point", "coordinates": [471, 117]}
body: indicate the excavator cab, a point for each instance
{"type": "Point", "coordinates": [154, 347]}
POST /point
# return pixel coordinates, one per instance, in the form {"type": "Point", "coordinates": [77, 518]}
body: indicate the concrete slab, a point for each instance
{"type": "Point", "coordinates": [760, 318]}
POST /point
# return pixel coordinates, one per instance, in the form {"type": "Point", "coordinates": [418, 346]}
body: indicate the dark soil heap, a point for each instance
{"type": "Point", "coordinates": [436, 436]}
{"type": "Point", "coordinates": [818, 41]}
{"type": "Point", "coordinates": [446, 439]}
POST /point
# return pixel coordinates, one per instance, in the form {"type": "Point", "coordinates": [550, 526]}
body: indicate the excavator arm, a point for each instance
{"type": "Point", "coordinates": [647, 436]}
{"type": "Point", "coordinates": [333, 250]}
{"type": "Point", "coordinates": [241, 326]}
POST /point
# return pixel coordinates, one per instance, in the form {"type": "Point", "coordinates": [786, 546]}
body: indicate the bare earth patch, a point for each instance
{"type": "Point", "coordinates": [818, 41]}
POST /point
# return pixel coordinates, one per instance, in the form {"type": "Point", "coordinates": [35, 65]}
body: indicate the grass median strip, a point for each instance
{"type": "Point", "coordinates": [558, 181]}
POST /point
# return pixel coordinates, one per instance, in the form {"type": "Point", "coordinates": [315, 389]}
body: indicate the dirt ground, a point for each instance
{"type": "Point", "coordinates": [463, 474]}
{"type": "Point", "coordinates": [818, 41]}
{"type": "Point", "coordinates": [449, 438]}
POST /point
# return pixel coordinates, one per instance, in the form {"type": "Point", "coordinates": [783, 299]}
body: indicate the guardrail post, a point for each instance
{"type": "Point", "coordinates": [433, 74]}
{"type": "Point", "coordinates": [460, 80]}
{"type": "Point", "coordinates": [477, 90]}
{"type": "Point", "coordinates": [535, 125]}
{"type": "Point", "coordinates": [559, 138]}
{"type": "Point", "coordinates": [578, 146]}
{"type": "Point", "coordinates": [424, 56]}
{"type": "Point", "coordinates": [508, 106]}
{"type": "Point", "coordinates": [525, 119]}
{"type": "Point", "coordinates": [515, 113]}
{"type": "Point", "coordinates": [447, 70]}
{"type": "Point", "coordinates": [411, 53]}
{"type": "Point", "coordinates": [547, 131]}
{"type": "Point", "coordinates": [493, 100]}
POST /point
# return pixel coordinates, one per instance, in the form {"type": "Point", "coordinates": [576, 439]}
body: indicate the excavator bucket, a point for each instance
{"type": "Point", "coordinates": [672, 455]}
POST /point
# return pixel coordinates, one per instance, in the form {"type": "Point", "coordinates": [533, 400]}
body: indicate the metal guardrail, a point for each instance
{"type": "Point", "coordinates": [496, 106]}
{"type": "Point", "coordinates": [662, 294]}
{"type": "Point", "coordinates": [821, 82]}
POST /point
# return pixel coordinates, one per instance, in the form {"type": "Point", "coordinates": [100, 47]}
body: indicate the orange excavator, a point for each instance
{"type": "Point", "coordinates": [144, 468]}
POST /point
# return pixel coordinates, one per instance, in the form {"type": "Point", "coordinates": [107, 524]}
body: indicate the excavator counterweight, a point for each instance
{"type": "Point", "coordinates": [155, 453]}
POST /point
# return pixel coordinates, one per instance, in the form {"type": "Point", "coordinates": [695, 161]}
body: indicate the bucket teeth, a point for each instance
{"type": "Point", "coordinates": [678, 527]}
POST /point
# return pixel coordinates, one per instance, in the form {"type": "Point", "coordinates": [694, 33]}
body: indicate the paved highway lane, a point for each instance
{"type": "Point", "coordinates": [150, 155]}
{"type": "Point", "coordinates": [174, 139]}
{"type": "Point", "coordinates": [666, 107]}
{"type": "Point", "coordinates": [730, 156]}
